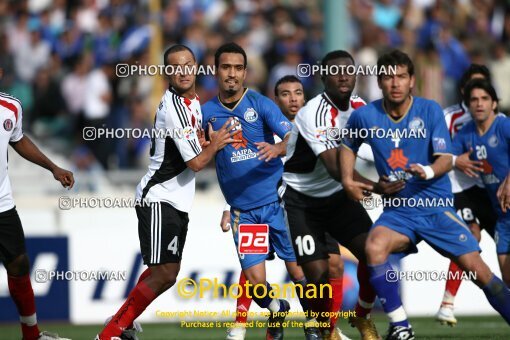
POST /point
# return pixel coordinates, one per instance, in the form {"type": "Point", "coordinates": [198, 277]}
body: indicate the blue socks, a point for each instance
{"type": "Point", "coordinates": [499, 297]}
{"type": "Point", "coordinates": [384, 280]}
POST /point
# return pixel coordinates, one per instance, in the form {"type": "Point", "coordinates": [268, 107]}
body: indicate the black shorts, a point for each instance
{"type": "Point", "coordinates": [473, 205]}
{"type": "Point", "coordinates": [12, 238]}
{"type": "Point", "coordinates": [332, 245]}
{"type": "Point", "coordinates": [311, 219]}
{"type": "Point", "coordinates": [162, 231]}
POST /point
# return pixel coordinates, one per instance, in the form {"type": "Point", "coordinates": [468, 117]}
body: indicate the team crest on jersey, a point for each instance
{"type": "Point", "coordinates": [321, 133]}
{"type": "Point", "coordinates": [251, 115]}
{"type": "Point", "coordinates": [286, 125]}
{"type": "Point", "coordinates": [189, 133]}
{"type": "Point", "coordinates": [8, 125]}
{"type": "Point", "coordinates": [416, 124]}
{"type": "Point", "coordinates": [493, 141]}
{"type": "Point", "coordinates": [439, 143]}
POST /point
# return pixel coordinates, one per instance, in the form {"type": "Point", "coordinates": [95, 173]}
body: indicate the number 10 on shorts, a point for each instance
{"type": "Point", "coordinates": [253, 239]}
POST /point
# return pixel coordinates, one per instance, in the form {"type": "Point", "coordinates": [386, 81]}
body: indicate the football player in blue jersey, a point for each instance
{"type": "Point", "coordinates": [417, 153]}
{"type": "Point", "coordinates": [249, 171]}
{"type": "Point", "coordinates": [489, 136]}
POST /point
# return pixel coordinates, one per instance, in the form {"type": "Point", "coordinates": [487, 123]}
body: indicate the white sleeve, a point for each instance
{"type": "Point", "coordinates": [365, 153]}
{"type": "Point", "coordinates": [318, 133]}
{"type": "Point", "coordinates": [177, 118]}
{"type": "Point", "coordinates": [17, 132]}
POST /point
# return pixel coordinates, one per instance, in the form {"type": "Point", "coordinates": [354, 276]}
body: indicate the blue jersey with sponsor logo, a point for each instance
{"type": "Point", "coordinates": [492, 149]}
{"type": "Point", "coordinates": [246, 181]}
{"type": "Point", "coordinates": [423, 136]}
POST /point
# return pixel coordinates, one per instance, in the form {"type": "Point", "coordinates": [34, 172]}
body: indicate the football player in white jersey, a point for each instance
{"type": "Point", "coordinates": [315, 201]}
{"type": "Point", "coordinates": [471, 201]}
{"type": "Point", "coordinates": [167, 190]}
{"type": "Point", "coordinates": [12, 240]}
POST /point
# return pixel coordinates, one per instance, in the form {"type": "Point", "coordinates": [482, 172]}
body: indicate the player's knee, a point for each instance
{"type": "Point", "coordinates": [19, 266]}
{"type": "Point", "coordinates": [336, 268]}
{"type": "Point", "coordinates": [475, 230]}
{"type": "Point", "coordinates": [376, 250]}
{"type": "Point", "coordinates": [165, 275]}
{"type": "Point", "coordinates": [476, 268]}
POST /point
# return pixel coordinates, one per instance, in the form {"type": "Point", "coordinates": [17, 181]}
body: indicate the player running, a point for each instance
{"type": "Point", "coordinates": [248, 173]}
{"type": "Point", "coordinates": [169, 187]}
{"type": "Point", "coordinates": [489, 135]}
{"type": "Point", "coordinates": [315, 201]}
{"type": "Point", "coordinates": [471, 201]}
{"type": "Point", "coordinates": [420, 164]}
{"type": "Point", "coordinates": [290, 98]}
{"type": "Point", "coordinates": [12, 239]}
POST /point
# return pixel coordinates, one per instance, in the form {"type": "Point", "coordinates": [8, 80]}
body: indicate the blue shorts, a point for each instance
{"type": "Point", "coordinates": [279, 239]}
{"type": "Point", "coordinates": [444, 231]}
{"type": "Point", "coordinates": [502, 236]}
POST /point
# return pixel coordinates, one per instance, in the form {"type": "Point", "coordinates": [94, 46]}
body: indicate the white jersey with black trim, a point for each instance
{"type": "Point", "coordinates": [169, 179]}
{"type": "Point", "coordinates": [11, 114]}
{"type": "Point", "coordinates": [303, 170]}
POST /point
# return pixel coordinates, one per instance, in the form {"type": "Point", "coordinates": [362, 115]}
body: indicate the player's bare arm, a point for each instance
{"type": "Point", "coordinates": [503, 194]}
{"type": "Point", "coordinates": [467, 165]}
{"type": "Point", "coordinates": [218, 140]}
{"type": "Point", "coordinates": [441, 165]}
{"type": "Point", "coordinates": [353, 186]}
{"type": "Point", "coordinates": [28, 150]}
{"type": "Point", "coordinates": [268, 151]}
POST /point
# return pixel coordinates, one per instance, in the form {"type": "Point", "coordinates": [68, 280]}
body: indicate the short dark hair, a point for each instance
{"type": "Point", "coordinates": [474, 69]}
{"type": "Point", "coordinates": [286, 79]}
{"type": "Point", "coordinates": [483, 84]}
{"type": "Point", "coordinates": [230, 47]}
{"type": "Point", "coordinates": [335, 55]}
{"type": "Point", "coordinates": [174, 49]}
{"type": "Point", "coordinates": [395, 58]}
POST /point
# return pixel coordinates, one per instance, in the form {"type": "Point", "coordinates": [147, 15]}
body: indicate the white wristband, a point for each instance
{"type": "Point", "coordinates": [226, 207]}
{"type": "Point", "coordinates": [429, 172]}
{"type": "Point", "coordinates": [454, 158]}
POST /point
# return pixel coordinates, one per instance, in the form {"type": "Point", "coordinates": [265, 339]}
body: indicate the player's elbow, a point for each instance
{"type": "Point", "coordinates": [195, 164]}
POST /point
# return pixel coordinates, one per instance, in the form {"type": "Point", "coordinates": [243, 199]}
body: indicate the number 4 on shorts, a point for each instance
{"type": "Point", "coordinates": [173, 246]}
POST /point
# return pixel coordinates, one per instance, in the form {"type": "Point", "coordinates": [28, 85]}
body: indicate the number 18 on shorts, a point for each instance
{"type": "Point", "coordinates": [253, 239]}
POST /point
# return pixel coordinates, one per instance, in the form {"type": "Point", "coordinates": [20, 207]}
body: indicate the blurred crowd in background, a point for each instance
{"type": "Point", "coordinates": [59, 56]}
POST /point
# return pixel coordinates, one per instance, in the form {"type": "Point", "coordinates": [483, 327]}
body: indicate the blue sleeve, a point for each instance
{"type": "Point", "coordinates": [205, 117]}
{"type": "Point", "coordinates": [274, 117]}
{"type": "Point", "coordinates": [505, 130]}
{"type": "Point", "coordinates": [458, 144]}
{"type": "Point", "coordinates": [353, 140]}
{"type": "Point", "coordinates": [441, 140]}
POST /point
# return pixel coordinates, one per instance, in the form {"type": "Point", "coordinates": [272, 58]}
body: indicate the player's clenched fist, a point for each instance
{"type": "Point", "coordinates": [225, 221]}
{"type": "Point", "coordinates": [65, 177]}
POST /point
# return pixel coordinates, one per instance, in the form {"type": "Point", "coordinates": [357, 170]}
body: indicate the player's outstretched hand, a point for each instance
{"type": "Point", "coordinates": [357, 190]}
{"type": "Point", "coordinates": [225, 221]}
{"type": "Point", "coordinates": [268, 151]}
{"type": "Point", "coordinates": [468, 166]}
{"type": "Point", "coordinates": [417, 170]}
{"type": "Point", "coordinates": [503, 194]}
{"type": "Point", "coordinates": [225, 134]}
{"type": "Point", "coordinates": [385, 187]}
{"type": "Point", "coordinates": [201, 138]}
{"type": "Point", "coordinates": [65, 177]}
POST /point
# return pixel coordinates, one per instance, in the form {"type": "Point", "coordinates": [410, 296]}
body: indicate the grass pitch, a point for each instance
{"type": "Point", "coordinates": [475, 328]}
